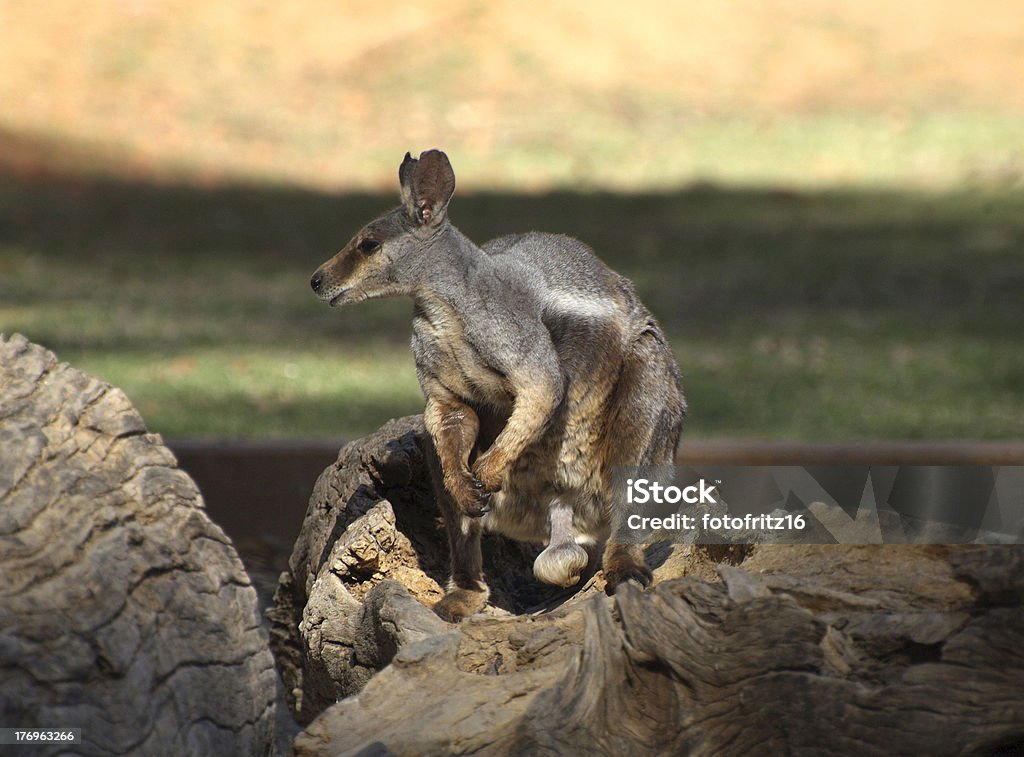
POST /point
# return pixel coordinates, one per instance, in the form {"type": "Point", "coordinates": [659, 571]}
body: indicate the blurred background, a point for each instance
{"type": "Point", "coordinates": [821, 200]}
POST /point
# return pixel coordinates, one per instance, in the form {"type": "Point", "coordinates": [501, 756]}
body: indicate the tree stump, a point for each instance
{"type": "Point", "coordinates": [735, 650]}
{"type": "Point", "coordinates": [124, 611]}
{"type": "Point", "coordinates": [372, 518]}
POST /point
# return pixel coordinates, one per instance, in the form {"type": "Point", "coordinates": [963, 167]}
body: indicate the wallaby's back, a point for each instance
{"type": "Point", "coordinates": [588, 308]}
{"type": "Point", "coordinates": [560, 265]}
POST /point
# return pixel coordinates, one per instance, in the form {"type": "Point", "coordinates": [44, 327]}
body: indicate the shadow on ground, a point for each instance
{"type": "Point", "coordinates": [838, 299]}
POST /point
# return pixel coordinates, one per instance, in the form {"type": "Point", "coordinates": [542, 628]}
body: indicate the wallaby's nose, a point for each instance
{"type": "Point", "coordinates": [317, 281]}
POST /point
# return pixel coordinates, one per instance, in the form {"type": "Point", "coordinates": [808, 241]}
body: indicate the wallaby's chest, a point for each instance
{"type": "Point", "coordinates": [444, 351]}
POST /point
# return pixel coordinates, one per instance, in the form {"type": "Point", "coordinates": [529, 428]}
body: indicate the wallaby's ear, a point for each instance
{"type": "Point", "coordinates": [405, 174]}
{"type": "Point", "coordinates": [427, 186]}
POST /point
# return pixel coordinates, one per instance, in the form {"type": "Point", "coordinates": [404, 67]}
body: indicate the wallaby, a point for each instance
{"type": "Point", "coordinates": [542, 372]}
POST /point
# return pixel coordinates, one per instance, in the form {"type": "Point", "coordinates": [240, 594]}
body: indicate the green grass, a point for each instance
{"type": "Point", "coordinates": [813, 315]}
{"type": "Point", "coordinates": [834, 387]}
{"type": "Point", "coordinates": [265, 392]}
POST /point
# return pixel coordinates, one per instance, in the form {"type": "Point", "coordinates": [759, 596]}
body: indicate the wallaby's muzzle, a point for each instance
{"type": "Point", "coordinates": [343, 278]}
{"type": "Point", "coordinates": [330, 293]}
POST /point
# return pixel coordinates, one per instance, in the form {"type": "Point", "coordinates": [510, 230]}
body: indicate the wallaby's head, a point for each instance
{"type": "Point", "coordinates": [381, 259]}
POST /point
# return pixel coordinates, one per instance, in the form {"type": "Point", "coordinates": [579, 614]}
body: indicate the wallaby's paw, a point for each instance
{"type": "Point", "coordinates": [618, 575]}
{"type": "Point", "coordinates": [471, 498]}
{"type": "Point", "coordinates": [561, 564]}
{"type": "Point", "coordinates": [460, 603]}
{"type": "Point", "coordinates": [489, 471]}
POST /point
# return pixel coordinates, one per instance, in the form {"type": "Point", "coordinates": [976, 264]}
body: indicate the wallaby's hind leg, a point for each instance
{"type": "Point", "coordinates": [467, 592]}
{"type": "Point", "coordinates": [644, 426]}
{"type": "Point", "coordinates": [563, 561]}
{"type": "Point", "coordinates": [625, 562]}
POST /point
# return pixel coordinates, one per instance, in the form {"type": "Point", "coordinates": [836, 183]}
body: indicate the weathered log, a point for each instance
{"type": "Point", "coordinates": [372, 517]}
{"type": "Point", "coordinates": [777, 649]}
{"type": "Point", "coordinates": [124, 611]}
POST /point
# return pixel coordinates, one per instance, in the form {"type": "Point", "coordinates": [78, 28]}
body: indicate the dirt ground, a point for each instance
{"type": "Point", "coordinates": [321, 92]}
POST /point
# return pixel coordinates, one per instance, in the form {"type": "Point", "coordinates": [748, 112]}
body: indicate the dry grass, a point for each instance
{"type": "Point", "coordinates": [524, 94]}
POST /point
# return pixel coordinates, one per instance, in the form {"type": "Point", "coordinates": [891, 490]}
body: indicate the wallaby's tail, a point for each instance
{"type": "Point", "coordinates": [647, 404]}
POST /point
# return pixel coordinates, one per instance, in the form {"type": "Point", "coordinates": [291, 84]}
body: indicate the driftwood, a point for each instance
{"type": "Point", "coordinates": [768, 650]}
{"type": "Point", "coordinates": [124, 611]}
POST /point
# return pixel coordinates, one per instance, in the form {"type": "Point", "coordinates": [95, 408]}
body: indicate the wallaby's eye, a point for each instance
{"type": "Point", "coordinates": [368, 246]}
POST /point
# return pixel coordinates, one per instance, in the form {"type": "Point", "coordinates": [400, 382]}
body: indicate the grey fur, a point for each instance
{"type": "Point", "coordinates": [542, 372]}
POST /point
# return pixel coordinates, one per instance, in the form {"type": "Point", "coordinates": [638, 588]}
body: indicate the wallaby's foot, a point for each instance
{"type": "Point", "coordinates": [625, 562]}
{"type": "Point", "coordinates": [561, 564]}
{"type": "Point", "coordinates": [639, 573]}
{"type": "Point", "coordinates": [460, 603]}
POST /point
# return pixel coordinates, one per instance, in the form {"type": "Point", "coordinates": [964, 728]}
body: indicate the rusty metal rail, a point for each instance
{"type": "Point", "coordinates": [860, 453]}
{"type": "Point", "coordinates": [258, 490]}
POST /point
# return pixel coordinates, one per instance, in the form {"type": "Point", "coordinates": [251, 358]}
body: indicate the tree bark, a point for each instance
{"type": "Point", "coordinates": [772, 649]}
{"type": "Point", "coordinates": [124, 611]}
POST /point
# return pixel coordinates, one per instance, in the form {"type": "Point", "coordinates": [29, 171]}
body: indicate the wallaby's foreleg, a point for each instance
{"type": "Point", "coordinates": [563, 561]}
{"type": "Point", "coordinates": [453, 426]}
{"type": "Point", "coordinates": [535, 402]}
